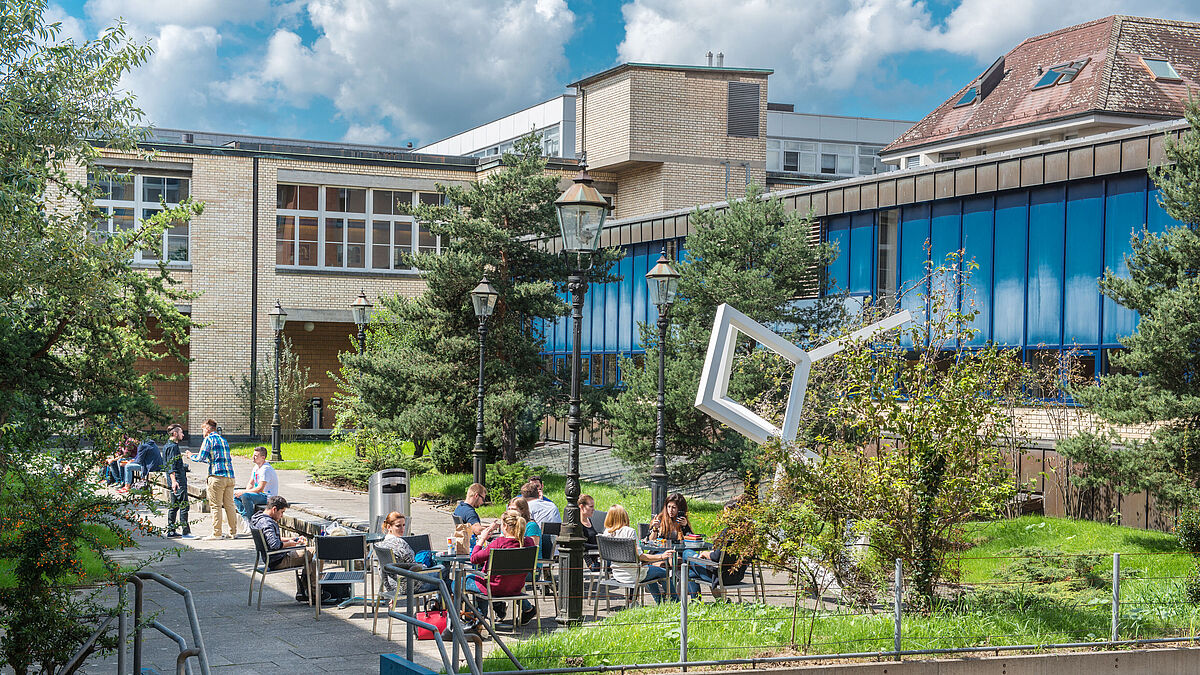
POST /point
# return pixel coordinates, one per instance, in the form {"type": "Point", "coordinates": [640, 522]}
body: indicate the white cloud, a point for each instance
{"type": "Point", "coordinates": [190, 13]}
{"type": "Point", "coordinates": [175, 86]}
{"type": "Point", "coordinates": [72, 28]}
{"type": "Point", "coordinates": [422, 69]}
{"type": "Point", "coordinates": [832, 46]}
{"type": "Point", "coordinates": [367, 134]}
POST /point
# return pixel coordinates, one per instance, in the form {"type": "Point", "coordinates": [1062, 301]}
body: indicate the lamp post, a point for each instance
{"type": "Point", "coordinates": [581, 213]}
{"type": "Point", "coordinates": [663, 282]}
{"type": "Point", "coordinates": [361, 309]}
{"type": "Point", "coordinates": [278, 321]}
{"type": "Point", "coordinates": [483, 298]}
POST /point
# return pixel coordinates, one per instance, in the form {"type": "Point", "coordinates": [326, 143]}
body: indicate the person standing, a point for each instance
{"type": "Point", "coordinates": [264, 483]}
{"type": "Point", "coordinates": [215, 451]}
{"type": "Point", "coordinates": [177, 479]}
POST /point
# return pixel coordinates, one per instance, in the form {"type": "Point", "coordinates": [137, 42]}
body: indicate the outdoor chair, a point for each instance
{"type": "Point", "coordinates": [377, 526]}
{"type": "Point", "coordinates": [552, 528]}
{"type": "Point", "coordinates": [418, 542]}
{"type": "Point", "coordinates": [347, 550]}
{"type": "Point", "coordinates": [720, 590]}
{"type": "Point", "coordinates": [643, 530]}
{"type": "Point", "coordinates": [504, 561]}
{"type": "Point", "coordinates": [598, 518]}
{"type": "Point", "coordinates": [262, 560]}
{"type": "Point", "coordinates": [398, 595]}
{"type": "Point", "coordinates": [622, 551]}
{"type": "Point", "coordinates": [544, 577]}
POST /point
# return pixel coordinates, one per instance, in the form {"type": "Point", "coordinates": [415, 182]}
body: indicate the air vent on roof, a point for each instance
{"type": "Point", "coordinates": [742, 112]}
{"type": "Point", "coordinates": [782, 107]}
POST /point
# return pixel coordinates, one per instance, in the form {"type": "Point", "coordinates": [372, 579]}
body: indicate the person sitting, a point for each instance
{"type": "Point", "coordinates": [587, 506]}
{"type": "Point", "coordinates": [268, 522]}
{"type": "Point", "coordinates": [126, 451]}
{"type": "Point", "coordinates": [264, 483]}
{"type": "Point", "coordinates": [393, 529]}
{"type": "Point", "coordinates": [732, 567]}
{"type": "Point", "coordinates": [616, 524]}
{"type": "Point", "coordinates": [521, 506]}
{"type": "Point", "coordinates": [465, 511]}
{"type": "Point", "coordinates": [672, 522]}
{"type": "Point", "coordinates": [543, 510]}
{"type": "Point", "coordinates": [512, 535]}
{"type": "Point", "coordinates": [147, 459]}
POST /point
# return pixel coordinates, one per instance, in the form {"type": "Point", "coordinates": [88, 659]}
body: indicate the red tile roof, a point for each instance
{"type": "Point", "coordinates": [1114, 81]}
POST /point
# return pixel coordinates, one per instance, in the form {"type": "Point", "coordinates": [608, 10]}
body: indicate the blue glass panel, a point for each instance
{"type": "Point", "coordinates": [626, 329]}
{"type": "Point", "coordinates": [914, 233]}
{"type": "Point", "coordinates": [1124, 215]}
{"type": "Point", "coordinates": [862, 253]}
{"type": "Point", "coordinates": [1046, 222]}
{"type": "Point", "coordinates": [977, 247]}
{"type": "Point", "coordinates": [612, 312]}
{"type": "Point", "coordinates": [1157, 218]}
{"type": "Point", "coordinates": [1008, 305]}
{"type": "Point", "coordinates": [945, 238]}
{"type": "Point", "coordinates": [589, 302]}
{"type": "Point", "coordinates": [560, 328]}
{"type": "Point", "coordinates": [839, 269]}
{"type": "Point", "coordinates": [640, 311]}
{"type": "Point", "coordinates": [1084, 263]}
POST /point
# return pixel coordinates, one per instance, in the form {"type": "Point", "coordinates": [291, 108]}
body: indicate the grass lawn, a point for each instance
{"type": "Point", "coordinates": [636, 501]}
{"type": "Point", "coordinates": [1153, 604]}
{"type": "Point", "coordinates": [297, 455]}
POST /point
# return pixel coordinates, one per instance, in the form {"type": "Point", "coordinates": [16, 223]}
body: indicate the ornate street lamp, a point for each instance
{"type": "Point", "coordinates": [663, 281]}
{"type": "Point", "coordinates": [361, 309]}
{"type": "Point", "coordinates": [278, 321]}
{"type": "Point", "coordinates": [581, 213]}
{"type": "Point", "coordinates": [483, 298]}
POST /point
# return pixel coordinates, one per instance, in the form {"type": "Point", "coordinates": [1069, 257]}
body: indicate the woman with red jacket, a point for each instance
{"type": "Point", "coordinates": [512, 535]}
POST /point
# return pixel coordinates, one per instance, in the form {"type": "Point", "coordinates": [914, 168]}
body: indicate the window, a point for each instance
{"type": "Point", "coordinates": [126, 201]}
{"type": "Point", "coordinates": [349, 228]}
{"type": "Point", "coordinates": [885, 278]}
{"type": "Point", "coordinates": [1060, 74]}
{"type": "Point", "coordinates": [948, 156]}
{"type": "Point", "coordinates": [828, 163]}
{"type": "Point", "coordinates": [912, 162]}
{"type": "Point", "coordinates": [969, 96]}
{"type": "Point", "coordinates": [1161, 69]}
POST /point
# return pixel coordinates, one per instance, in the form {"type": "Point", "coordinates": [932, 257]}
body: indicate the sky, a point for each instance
{"type": "Point", "coordinates": [397, 71]}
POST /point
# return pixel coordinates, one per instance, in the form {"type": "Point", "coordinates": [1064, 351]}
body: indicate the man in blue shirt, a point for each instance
{"type": "Point", "coordinates": [215, 451]}
{"type": "Point", "coordinates": [476, 495]}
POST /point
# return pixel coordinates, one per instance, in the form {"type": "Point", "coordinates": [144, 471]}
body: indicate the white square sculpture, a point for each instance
{"type": "Point", "coordinates": [713, 395]}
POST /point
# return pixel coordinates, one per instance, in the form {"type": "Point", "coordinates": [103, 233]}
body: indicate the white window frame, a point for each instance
{"type": "Point", "coordinates": [139, 207]}
{"type": "Point", "coordinates": [323, 213]}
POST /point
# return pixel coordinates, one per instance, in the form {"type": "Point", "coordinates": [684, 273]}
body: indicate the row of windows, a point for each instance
{"type": "Point", "coordinates": [125, 202]}
{"type": "Point", "coordinates": [551, 145]}
{"type": "Point", "coordinates": [350, 228]}
{"type": "Point", "coordinates": [834, 159]}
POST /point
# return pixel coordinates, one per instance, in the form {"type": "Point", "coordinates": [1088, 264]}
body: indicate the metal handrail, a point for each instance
{"type": "Point", "coordinates": [182, 662]}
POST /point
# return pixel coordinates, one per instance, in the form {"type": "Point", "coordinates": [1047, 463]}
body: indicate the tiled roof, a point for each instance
{"type": "Point", "coordinates": [1114, 81]}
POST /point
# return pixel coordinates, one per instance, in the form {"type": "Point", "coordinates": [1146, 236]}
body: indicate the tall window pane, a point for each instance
{"type": "Point", "coordinates": [356, 247]}
{"type": "Point", "coordinates": [381, 239]}
{"type": "Point", "coordinates": [285, 240]}
{"type": "Point", "coordinates": [306, 251]}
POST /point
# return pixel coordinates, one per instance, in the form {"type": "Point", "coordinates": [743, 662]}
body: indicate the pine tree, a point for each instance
{"type": "Point", "coordinates": [418, 377]}
{"type": "Point", "coordinates": [757, 257]}
{"type": "Point", "coordinates": [1162, 362]}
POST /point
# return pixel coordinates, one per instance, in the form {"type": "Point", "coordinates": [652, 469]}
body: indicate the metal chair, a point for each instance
{"type": "Point", "coordinates": [551, 528]}
{"type": "Point", "coordinates": [598, 518]}
{"type": "Point", "coordinates": [621, 551]}
{"type": "Point", "coordinates": [544, 577]}
{"type": "Point", "coordinates": [752, 569]}
{"type": "Point", "coordinates": [262, 563]}
{"type": "Point", "coordinates": [418, 542]}
{"type": "Point", "coordinates": [385, 556]}
{"type": "Point", "coordinates": [340, 550]}
{"type": "Point", "coordinates": [506, 562]}
{"type": "Point", "coordinates": [643, 530]}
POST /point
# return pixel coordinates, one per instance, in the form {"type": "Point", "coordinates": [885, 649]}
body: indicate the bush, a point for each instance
{"type": "Point", "coordinates": [504, 479]}
{"type": "Point", "coordinates": [1187, 528]}
{"type": "Point", "coordinates": [450, 454]}
{"type": "Point", "coordinates": [1047, 576]}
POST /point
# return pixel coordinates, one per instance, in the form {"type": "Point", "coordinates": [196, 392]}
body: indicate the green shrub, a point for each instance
{"type": "Point", "coordinates": [504, 479]}
{"type": "Point", "coordinates": [1187, 528]}
{"type": "Point", "coordinates": [1046, 576]}
{"type": "Point", "coordinates": [450, 454]}
{"type": "Point", "coordinates": [355, 472]}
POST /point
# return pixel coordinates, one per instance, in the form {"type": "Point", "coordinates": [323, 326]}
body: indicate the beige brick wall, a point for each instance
{"type": "Point", "coordinates": [605, 111]}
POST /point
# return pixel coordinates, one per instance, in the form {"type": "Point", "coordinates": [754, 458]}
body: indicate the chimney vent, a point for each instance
{"type": "Point", "coordinates": [709, 55]}
{"type": "Point", "coordinates": [720, 59]}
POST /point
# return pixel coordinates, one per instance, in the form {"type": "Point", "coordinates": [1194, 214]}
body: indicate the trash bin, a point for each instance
{"type": "Point", "coordinates": [316, 403]}
{"type": "Point", "coordinates": [387, 491]}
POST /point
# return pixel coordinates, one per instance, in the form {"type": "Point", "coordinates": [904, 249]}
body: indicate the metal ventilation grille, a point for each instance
{"type": "Point", "coordinates": [743, 109]}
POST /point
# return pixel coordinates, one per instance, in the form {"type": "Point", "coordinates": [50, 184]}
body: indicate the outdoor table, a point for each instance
{"type": "Point", "coordinates": [679, 547]}
{"type": "Point", "coordinates": [458, 565]}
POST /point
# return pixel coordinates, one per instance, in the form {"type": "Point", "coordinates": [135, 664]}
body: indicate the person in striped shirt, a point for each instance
{"type": "Point", "coordinates": [215, 451]}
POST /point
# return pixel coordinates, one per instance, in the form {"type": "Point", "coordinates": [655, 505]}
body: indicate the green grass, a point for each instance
{"type": "Point", "coordinates": [636, 501]}
{"type": "Point", "coordinates": [1153, 604]}
{"type": "Point", "coordinates": [297, 455]}
{"type": "Point", "coordinates": [93, 566]}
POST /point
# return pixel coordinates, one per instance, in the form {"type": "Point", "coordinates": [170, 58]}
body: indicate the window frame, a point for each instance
{"type": "Point", "coordinates": [369, 216]}
{"type": "Point", "coordinates": [139, 207]}
{"type": "Point", "coordinates": [1144, 60]}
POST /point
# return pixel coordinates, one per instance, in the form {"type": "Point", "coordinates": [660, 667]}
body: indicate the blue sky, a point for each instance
{"type": "Point", "coordinates": [395, 71]}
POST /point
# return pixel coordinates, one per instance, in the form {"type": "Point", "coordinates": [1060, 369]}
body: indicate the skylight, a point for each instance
{"type": "Point", "coordinates": [969, 96]}
{"type": "Point", "coordinates": [1060, 74]}
{"type": "Point", "coordinates": [1161, 69]}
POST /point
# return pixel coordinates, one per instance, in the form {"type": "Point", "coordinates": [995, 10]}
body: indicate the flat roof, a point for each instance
{"type": "Point", "coordinates": [664, 66]}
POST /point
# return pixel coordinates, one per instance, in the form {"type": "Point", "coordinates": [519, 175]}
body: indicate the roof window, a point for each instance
{"type": "Point", "coordinates": [969, 96]}
{"type": "Point", "coordinates": [1161, 69]}
{"type": "Point", "coordinates": [1060, 74]}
